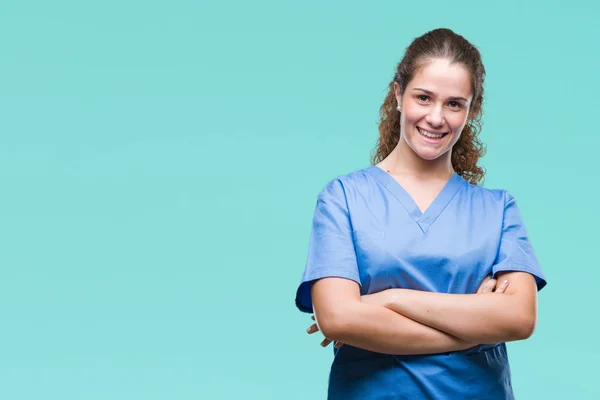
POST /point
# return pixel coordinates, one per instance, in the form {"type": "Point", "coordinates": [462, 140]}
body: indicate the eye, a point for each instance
{"type": "Point", "coordinates": [422, 97]}
{"type": "Point", "coordinates": [455, 104]}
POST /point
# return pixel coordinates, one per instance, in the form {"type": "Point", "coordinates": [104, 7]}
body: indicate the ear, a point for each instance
{"type": "Point", "coordinates": [397, 94]}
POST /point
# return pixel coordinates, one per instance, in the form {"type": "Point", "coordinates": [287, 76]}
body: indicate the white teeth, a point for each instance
{"type": "Point", "coordinates": [430, 135]}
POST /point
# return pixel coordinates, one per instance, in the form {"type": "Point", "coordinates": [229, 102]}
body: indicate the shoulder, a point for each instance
{"type": "Point", "coordinates": [343, 186]}
{"type": "Point", "coordinates": [489, 195]}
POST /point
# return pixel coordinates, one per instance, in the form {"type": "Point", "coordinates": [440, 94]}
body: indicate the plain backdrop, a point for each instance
{"type": "Point", "coordinates": [160, 164]}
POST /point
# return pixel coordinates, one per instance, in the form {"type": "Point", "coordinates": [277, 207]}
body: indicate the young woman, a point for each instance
{"type": "Point", "coordinates": [418, 273]}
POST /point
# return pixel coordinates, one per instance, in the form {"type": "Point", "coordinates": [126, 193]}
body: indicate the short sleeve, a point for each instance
{"type": "Point", "coordinates": [331, 250]}
{"type": "Point", "coordinates": [516, 253]}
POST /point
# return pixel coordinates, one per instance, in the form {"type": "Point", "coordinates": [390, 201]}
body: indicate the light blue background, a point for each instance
{"type": "Point", "coordinates": [159, 167]}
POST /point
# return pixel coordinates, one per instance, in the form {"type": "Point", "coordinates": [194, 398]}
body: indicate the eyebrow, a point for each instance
{"type": "Point", "coordinates": [431, 93]}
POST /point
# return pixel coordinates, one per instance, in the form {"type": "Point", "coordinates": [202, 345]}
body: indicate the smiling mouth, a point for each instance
{"type": "Point", "coordinates": [431, 135]}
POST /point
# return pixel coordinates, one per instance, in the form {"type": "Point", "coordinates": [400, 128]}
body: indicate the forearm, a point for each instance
{"type": "Point", "coordinates": [376, 328]}
{"type": "Point", "coordinates": [479, 318]}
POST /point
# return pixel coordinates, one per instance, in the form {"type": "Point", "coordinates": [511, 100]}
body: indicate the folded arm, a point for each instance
{"type": "Point", "coordinates": [478, 318]}
{"type": "Point", "coordinates": [342, 316]}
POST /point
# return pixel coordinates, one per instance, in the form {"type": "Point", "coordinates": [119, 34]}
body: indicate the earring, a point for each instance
{"type": "Point", "coordinates": [398, 108]}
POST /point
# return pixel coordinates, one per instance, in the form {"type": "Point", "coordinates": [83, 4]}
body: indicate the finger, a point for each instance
{"type": "Point", "coordinates": [338, 345]}
{"type": "Point", "coordinates": [312, 329]}
{"type": "Point", "coordinates": [326, 342]}
{"type": "Point", "coordinates": [489, 286]}
{"type": "Point", "coordinates": [485, 280]}
{"type": "Point", "coordinates": [502, 287]}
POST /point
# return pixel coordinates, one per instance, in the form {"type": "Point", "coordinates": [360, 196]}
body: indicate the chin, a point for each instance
{"type": "Point", "coordinates": [430, 155]}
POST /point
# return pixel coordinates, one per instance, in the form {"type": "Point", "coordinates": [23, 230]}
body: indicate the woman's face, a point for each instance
{"type": "Point", "coordinates": [434, 108]}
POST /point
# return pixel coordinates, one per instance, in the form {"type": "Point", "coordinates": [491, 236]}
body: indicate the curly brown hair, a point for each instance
{"type": "Point", "coordinates": [438, 43]}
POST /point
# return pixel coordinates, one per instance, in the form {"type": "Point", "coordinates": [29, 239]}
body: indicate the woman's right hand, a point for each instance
{"type": "Point", "coordinates": [489, 284]}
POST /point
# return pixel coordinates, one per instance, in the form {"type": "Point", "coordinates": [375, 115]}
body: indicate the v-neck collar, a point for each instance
{"type": "Point", "coordinates": [426, 218]}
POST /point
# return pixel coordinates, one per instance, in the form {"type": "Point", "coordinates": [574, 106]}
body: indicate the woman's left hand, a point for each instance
{"type": "Point", "coordinates": [383, 298]}
{"type": "Point", "coordinates": [380, 298]}
{"type": "Point", "coordinates": [314, 328]}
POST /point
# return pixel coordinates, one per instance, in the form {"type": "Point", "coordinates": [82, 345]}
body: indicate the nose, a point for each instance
{"type": "Point", "coordinates": [435, 117]}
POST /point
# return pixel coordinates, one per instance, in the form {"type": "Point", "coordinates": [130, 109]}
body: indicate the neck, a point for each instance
{"type": "Point", "coordinates": [404, 161]}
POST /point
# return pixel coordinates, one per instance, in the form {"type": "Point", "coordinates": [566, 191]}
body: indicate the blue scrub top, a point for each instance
{"type": "Point", "coordinates": [367, 228]}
